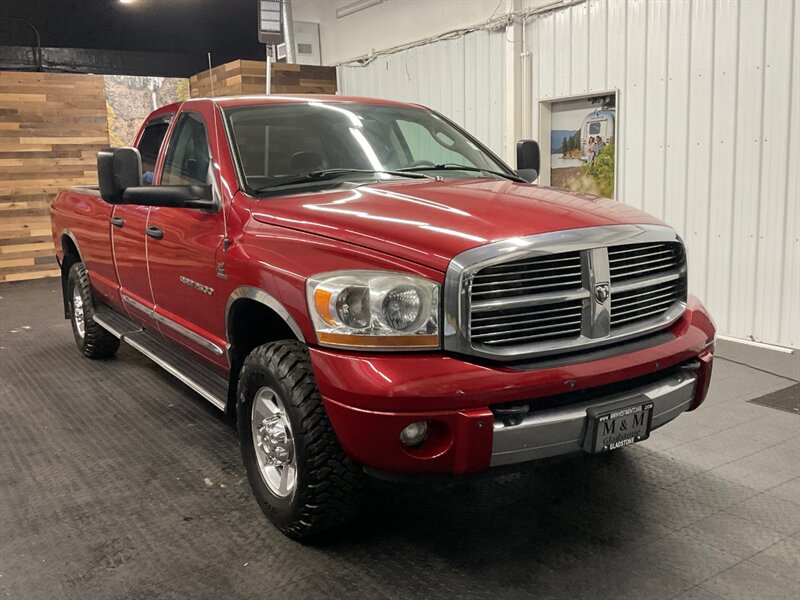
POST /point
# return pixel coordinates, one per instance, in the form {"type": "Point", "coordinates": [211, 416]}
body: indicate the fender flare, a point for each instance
{"type": "Point", "coordinates": [262, 297]}
{"type": "Point", "coordinates": [68, 233]}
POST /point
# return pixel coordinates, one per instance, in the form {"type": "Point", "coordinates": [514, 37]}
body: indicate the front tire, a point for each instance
{"type": "Point", "coordinates": [93, 341]}
{"type": "Point", "coordinates": [300, 476]}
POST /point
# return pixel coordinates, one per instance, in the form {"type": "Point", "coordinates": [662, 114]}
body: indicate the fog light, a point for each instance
{"type": "Point", "coordinates": [414, 434]}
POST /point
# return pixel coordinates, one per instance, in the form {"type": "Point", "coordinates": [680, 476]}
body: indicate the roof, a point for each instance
{"type": "Point", "coordinates": [601, 112]}
{"type": "Point", "coordinates": [232, 101]}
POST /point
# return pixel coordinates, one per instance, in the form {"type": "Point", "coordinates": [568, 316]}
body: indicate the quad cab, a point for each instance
{"type": "Point", "coordinates": [370, 290]}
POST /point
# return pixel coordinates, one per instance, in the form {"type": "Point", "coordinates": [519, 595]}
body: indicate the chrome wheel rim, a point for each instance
{"type": "Point", "coordinates": [273, 443]}
{"type": "Point", "coordinates": [77, 311]}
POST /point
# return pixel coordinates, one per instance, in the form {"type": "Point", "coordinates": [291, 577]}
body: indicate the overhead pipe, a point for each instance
{"type": "Point", "coordinates": [37, 52]}
{"type": "Point", "coordinates": [288, 31]}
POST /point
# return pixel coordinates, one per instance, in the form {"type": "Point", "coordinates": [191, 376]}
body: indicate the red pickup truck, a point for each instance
{"type": "Point", "coordinates": [369, 289]}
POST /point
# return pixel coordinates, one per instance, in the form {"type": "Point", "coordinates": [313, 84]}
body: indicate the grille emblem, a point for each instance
{"type": "Point", "coordinates": [601, 292]}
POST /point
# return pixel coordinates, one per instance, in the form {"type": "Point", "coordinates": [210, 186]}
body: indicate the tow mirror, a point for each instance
{"type": "Point", "coordinates": [528, 160]}
{"type": "Point", "coordinates": [117, 170]}
{"type": "Point", "coordinates": [174, 196]}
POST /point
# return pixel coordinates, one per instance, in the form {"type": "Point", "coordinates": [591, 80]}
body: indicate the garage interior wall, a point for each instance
{"type": "Point", "coordinates": [52, 126]}
{"type": "Point", "coordinates": [709, 137]}
{"type": "Point", "coordinates": [709, 127]}
{"type": "Point", "coordinates": [249, 77]}
{"type": "Point", "coordinates": [463, 78]}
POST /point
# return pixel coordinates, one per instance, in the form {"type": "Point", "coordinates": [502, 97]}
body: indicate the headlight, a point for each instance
{"type": "Point", "coordinates": [374, 310]}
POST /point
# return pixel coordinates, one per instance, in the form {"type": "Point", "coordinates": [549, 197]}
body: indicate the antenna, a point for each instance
{"type": "Point", "coordinates": [210, 75]}
{"type": "Point", "coordinates": [225, 241]}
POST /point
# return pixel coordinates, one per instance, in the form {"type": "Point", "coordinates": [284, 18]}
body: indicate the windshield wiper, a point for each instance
{"type": "Point", "coordinates": [328, 174]}
{"type": "Point", "coordinates": [457, 167]}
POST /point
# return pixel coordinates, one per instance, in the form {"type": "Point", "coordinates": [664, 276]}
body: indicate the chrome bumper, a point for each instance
{"type": "Point", "coordinates": [556, 431]}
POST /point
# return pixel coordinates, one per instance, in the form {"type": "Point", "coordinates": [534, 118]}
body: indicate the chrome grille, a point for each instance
{"type": "Point", "coordinates": [531, 276]}
{"type": "Point", "coordinates": [563, 291]}
{"type": "Point", "coordinates": [643, 264]}
{"type": "Point", "coordinates": [644, 303]}
{"type": "Point", "coordinates": [634, 261]}
{"type": "Point", "coordinates": [508, 327]}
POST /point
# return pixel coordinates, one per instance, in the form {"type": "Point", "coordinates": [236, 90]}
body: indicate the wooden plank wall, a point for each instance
{"type": "Point", "coordinates": [248, 77]}
{"type": "Point", "coordinates": [226, 79]}
{"type": "Point", "coordinates": [51, 127]}
{"type": "Point", "coordinates": [303, 79]}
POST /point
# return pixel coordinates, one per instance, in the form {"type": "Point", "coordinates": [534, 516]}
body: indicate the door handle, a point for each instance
{"type": "Point", "coordinates": [117, 221]}
{"type": "Point", "coordinates": [154, 232]}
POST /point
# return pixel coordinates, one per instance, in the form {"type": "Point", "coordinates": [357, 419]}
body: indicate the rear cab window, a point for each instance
{"type": "Point", "coordinates": [150, 144]}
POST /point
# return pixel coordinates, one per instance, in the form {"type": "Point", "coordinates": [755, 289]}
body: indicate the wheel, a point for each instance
{"type": "Point", "coordinates": [93, 341]}
{"type": "Point", "coordinates": [300, 476]}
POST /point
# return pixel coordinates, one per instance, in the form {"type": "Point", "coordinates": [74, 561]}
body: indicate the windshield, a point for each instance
{"type": "Point", "coordinates": [277, 144]}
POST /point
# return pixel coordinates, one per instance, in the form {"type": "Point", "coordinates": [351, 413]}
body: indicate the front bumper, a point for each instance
{"type": "Point", "coordinates": [556, 431]}
{"type": "Point", "coordinates": [370, 398]}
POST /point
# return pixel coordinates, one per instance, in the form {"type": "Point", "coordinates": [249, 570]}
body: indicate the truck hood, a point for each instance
{"type": "Point", "coordinates": [430, 222]}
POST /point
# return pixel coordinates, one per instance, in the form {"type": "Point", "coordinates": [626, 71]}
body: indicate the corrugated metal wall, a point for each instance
{"type": "Point", "coordinates": [709, 136]}
{"type": "Point", "coordinates": [708, 130]}
{"type": "Point", "coordinates": [463, 78]}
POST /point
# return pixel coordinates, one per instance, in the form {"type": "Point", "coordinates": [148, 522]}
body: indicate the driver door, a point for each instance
{"type": "Point", "coordinates": [183, 247]}
{"type": "Point", "coordinates": [128, 224]}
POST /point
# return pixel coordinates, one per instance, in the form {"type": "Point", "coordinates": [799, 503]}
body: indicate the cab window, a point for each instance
{"type": "Point", "coordinates": [188, 156]}
{"type": "Point", "coordinates": [434, 147]}
{"type": "Point", "coordinates": [149, 146]}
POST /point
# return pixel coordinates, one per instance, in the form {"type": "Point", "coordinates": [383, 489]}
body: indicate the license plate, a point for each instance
{"type": "Point", "coordinates": [612, 427]}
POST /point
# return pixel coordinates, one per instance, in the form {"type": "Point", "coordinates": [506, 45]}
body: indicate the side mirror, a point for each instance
{"type": "Point", "coordinates": [528, 160]}
{"type": "Point", "coordinates": [117, 170]}
{"type": "Point", "coordinates": [173, 196]}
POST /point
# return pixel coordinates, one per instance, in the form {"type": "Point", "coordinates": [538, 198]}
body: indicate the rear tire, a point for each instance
{"type": "Point", "coordinates": [300, 476]}
{"type": "Point", "coordinates": [93, 341]}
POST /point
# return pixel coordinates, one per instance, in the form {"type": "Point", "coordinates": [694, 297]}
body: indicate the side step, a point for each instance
{"type": "Point", "coordinates": [202, 380]}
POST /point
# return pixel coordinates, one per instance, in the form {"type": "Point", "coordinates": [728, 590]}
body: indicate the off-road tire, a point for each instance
{"type": "Point", "coordinates": [328, 488]}
{"type": "Point", "coordinates": [96, 342]}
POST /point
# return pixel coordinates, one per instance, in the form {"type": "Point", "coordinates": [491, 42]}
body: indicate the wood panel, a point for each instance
{"type": "Point", "coordinates": [248, 77]}
{"type": "Point", "coordinates": [303, 79]}
{"type": "Point", "coordinates": [51, 127]}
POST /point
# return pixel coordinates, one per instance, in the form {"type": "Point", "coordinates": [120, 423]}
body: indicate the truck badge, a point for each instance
{"type": "Point", "coordinates": [197, 286]}
{"type": "Point", "coordinates": [601, 292]}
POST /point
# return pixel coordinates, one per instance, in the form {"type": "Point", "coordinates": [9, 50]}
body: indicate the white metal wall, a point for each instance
{"type": "Point", "coordinates": [709, 136]}
{"type": "Point", "coordinates": [708, 130]}
{"type": "Point", "coordinates": [462, 78]}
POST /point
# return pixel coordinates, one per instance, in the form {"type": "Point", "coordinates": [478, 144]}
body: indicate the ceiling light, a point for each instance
{"type": "Point", "coordinates": [354, 7]}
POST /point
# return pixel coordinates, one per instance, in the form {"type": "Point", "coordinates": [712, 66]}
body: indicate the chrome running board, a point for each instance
{"type": "Point", "coordinates": [202, 380]}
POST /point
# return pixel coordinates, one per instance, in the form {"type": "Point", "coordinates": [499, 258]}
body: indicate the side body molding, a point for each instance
{"type": "Point", "coordinates": [264, 298]}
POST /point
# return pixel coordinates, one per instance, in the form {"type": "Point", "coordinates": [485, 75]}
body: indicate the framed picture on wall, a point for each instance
{"type": "Point", "coordinates": [578, 137]}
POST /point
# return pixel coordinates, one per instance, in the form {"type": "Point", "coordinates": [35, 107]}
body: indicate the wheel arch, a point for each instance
{"type": "Point", "coordinates": [254, 317]}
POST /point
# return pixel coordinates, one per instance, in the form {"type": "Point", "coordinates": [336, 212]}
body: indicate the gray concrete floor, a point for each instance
{"type": "Point", "coordinates": [118, 482]}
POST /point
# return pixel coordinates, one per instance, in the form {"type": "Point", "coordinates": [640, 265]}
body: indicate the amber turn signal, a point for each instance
{"type": "Point", "coordinates": [378, 341]}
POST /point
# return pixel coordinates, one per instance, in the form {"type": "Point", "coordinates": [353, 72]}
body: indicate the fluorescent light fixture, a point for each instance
{"type": "Point", "coordinates": [127, 1]}
{"type": "Point", "coordinates": [354, 7]}
{"type": "Point", "coordinates": [269, 13]}
{"type": "Point", "coordinates": [269, 22]}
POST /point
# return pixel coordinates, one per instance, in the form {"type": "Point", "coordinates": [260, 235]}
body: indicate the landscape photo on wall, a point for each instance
{"type": "Point", "coordinates": [582, 144]}
{"type": "Point", "coordinates": [130, 99]}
